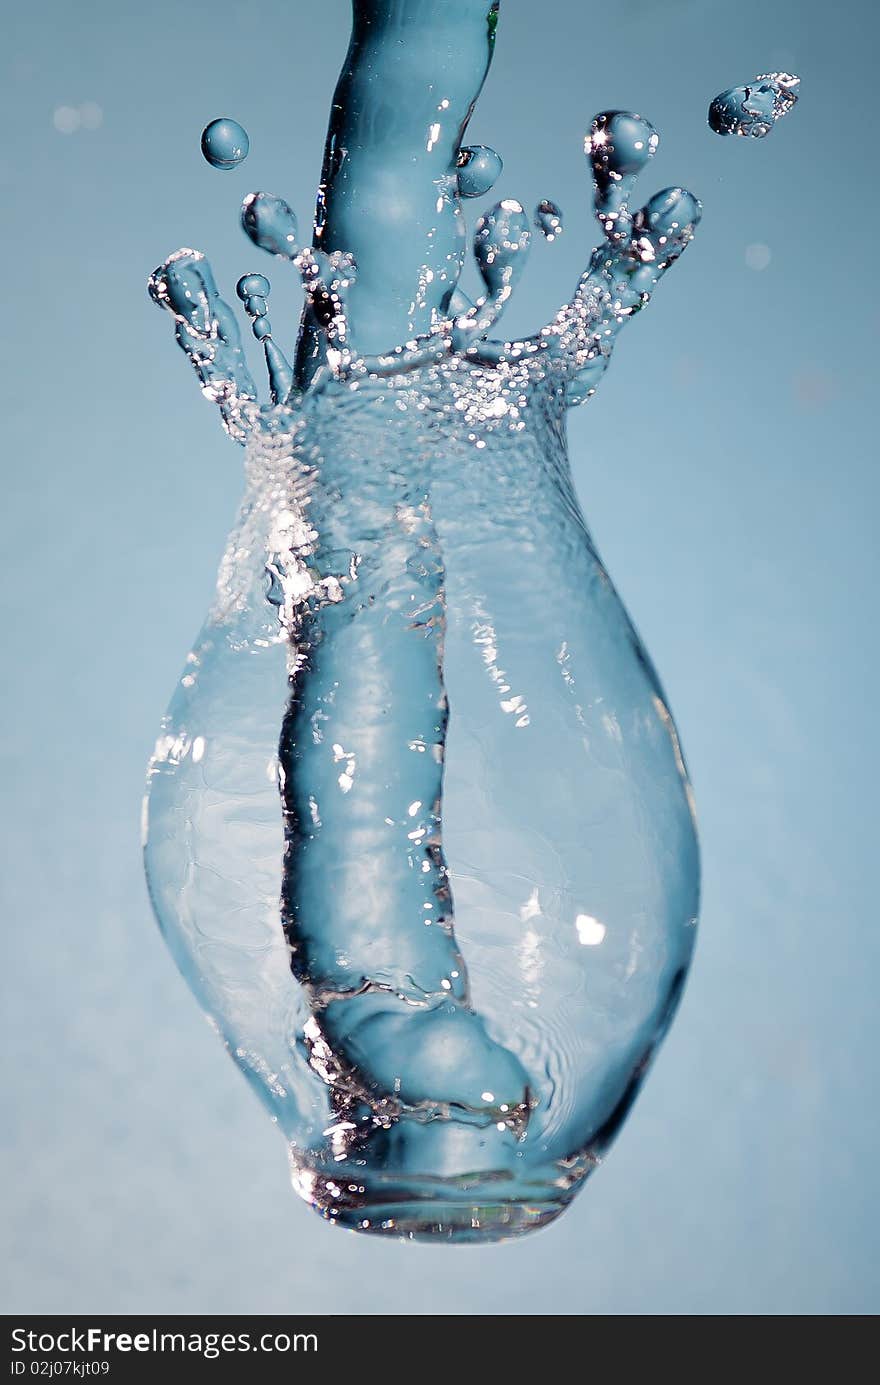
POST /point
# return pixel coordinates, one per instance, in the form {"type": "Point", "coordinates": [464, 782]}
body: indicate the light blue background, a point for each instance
{"type": "Point", "coordinates": [727, 470]}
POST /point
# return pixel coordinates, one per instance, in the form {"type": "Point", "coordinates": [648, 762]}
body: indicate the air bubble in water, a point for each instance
{"type": "Point", "coordinates": [548, 219]}
{"type": "Point", "coordinates": [270, 223]}
{"type": "Point", "coordinates": [479, 169]}
{"type": "Point", "coordinates": [225, 143]}
{"type": "Point", "coordinates": [753, 110]}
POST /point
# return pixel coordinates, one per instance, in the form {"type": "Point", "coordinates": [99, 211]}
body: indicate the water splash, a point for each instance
{"type": "Point", "coordinates": [269, 222]}
{"type": "Point", "coordinates": [620, 280]}
{"type": "Point", "coordinates": [548, 220]}
{"type": "Point", "coordinates": [253, 290]}
{"type": "Point", "coordinates": [207, 330]}
{"type": "Point", "coordinates": [456, 1000]}
{"type": "Point", "coordinates": [225, 143]}
{"type": "Point", "coordinates": [753, 110]}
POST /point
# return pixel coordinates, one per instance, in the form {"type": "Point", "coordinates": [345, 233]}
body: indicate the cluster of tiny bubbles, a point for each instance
{"type": "Point", "coordinates": [270, 223]}
{"type": "Point", "coordinates": [619, 145]}
{"type": "Point", "coordinates": [753, 110]}
{"type": "Point", "coordinates": [548, 220]}
{"type": "Point", "coordinates": [225, 143]}
{"type": "Point", "coordinates": [479, 169]}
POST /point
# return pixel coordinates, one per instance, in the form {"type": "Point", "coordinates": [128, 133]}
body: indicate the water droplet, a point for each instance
{"type": "Point", "coordinates": [548, 219]}
{"type": "Point", "coordinates": [619, 145]}
{"type": "Point", "coordinates": [270, 223]}
{"type": "Point", "coordinates": [665, 225]}
{"type": "Point", "coordinates": [479, 169]}
{"type": "Point", "coordinates": [253, 290]}
{"type": "Point", "coordinates": [501, 243]}
{"type": "Point", "coordinates": [753, 110]}
{"type": "Point", "coordinates": [252, 286]}
{"type": "Point", "coordinates": [225, 143]}
{"type": "Point", "coordinates": [184, 285]}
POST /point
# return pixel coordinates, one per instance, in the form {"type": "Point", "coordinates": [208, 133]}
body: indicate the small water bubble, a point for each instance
{"type": "Point", "coordinates": [270, 223]}
{"type": "Point", "coordinates": [225, 143]}
{"type": "Point", "coordinates": [753, 110]}
{"type": "Point", "coordinates": [66, 120]}
{"type": "Point", "coordinates": [758, 256]}
{"type": "Point", "coordinates": [548, 219]}
{"type": "Point", "coordinates": [479, 169]}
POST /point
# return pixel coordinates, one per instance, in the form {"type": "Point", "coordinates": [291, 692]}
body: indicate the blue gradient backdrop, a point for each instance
{"type": "Point", "coordinates": [738, 519]}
